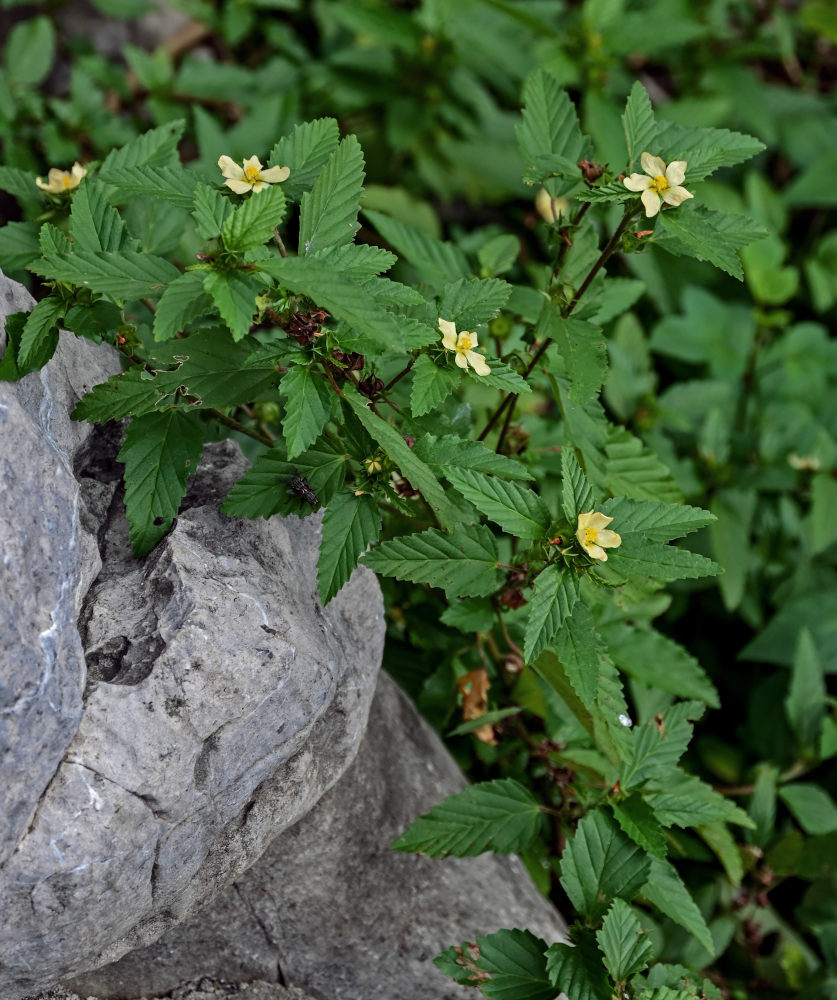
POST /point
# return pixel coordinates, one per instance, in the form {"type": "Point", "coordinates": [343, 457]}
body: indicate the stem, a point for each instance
{"type": "Point", "coordinates": [236, 426]}
{"type": "Point", "coordinates": [505, 427]}
{"type": "Point", "coordinates": [400, 375]}
{"type": "Point", "coordinates": [277, 239]}
{"type": "Point", "coordinates": [564, 247]}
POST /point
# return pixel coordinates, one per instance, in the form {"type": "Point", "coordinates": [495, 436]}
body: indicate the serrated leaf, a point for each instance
{"type": "Point", "coordinates": [579, 650]}
{"type": "Point", "coordinates": [451, 451]}
{"type": "Point", "coordinates": [517, 509]}
{"type": "Point", "coordinates": [711, 236]}
{"type": "Point", "coordinates": [556, 591]}
{"type": "Point", "coordinates": [722, 842]}
{"type": "Point", "coordinates": [20, 183]}
{"type": "Point", "coordinates": [639, 125]}
{"type": "Point", "coordinates": [470, 302]}
{"type": "Point", "coordinates": [350, 524]}
{"type": "Point", "coordinates": [685, 800]}
{"type": "Point", "coordinates": [171, 184]}
{"type": "Point", "coordinates": [498, 254]}
{"type": "Point", "coordinates": [251, 223]}
{"type": "Point", "coordinates": [600, 863]}
{"type": "Point", "coordinates": [705, 150]}
{"type": "Point", "coordinates": [500, 816]}
{"type": "Point", "coordinates": [328, 212]}
{"type": "Point", "coordinates": [576, 492]}
{"type": "Point", "coordinates": [805, 703]}
{"type": "Point", "coordinates": [550, 137]}
{"type": "Point", "coordinates": [234, 294]}
{"type": "Point", "coordinates": [437, 262]}
{"type": "Point", "coordinates": [40, 324]}
{"type": "Point", "coordinates": [811, 806]}
{"type": "Point", "coordinates": [307, 407]}
{"type": "Point", "coordinates": [155, 148]}
{"type": "Point", "coordinates": [182, 301]}
{"type": "Point", "coordinates": [661, 562]}
{"type": "Point", "coordinates": [420, 475]}
{"type": "Point", "coordinates": [11, 369]}
{"type": "Point", "coordinates": [626, 947]}
{"type": "Point", "coordinates": [516, 963]}
{"type": "Point", "coordinates": [577, 971]}
{"type": "Point", "coordinates": [94, 223]}
{"type": "Point", "coordinates": [210, 210]}
{"type": "Point", "coordinates": [357, 260]}
{"type": "Point", "coordinates": [160, 452]}
{"type": "Point", "coordinates": [657, 747]}
{"type": "Point", "coordinates": [503, 377]}
{"type": "Point", "coordinates": [637, 820]}
{"type": "Point", "coordinates": [665, 889]}
{"type": "Point", "coordinates": [432, 384]}
{"type": "Point", "coordinates": [18, 244]}
{"type": "Point", "coordinates": [206, 368]}
{"type": "Point", "coordinates": [584, 353]}
{"type": "Point", "coordinates": [124, 274]}
{"type": "Point", "coordinates": [660, 522]}
{"type": "Point", "coordinates": [463, 565]}
{"type": "Point", "coordinates": [305, 152]}
{"type": "Point", "coordinates": [53, 241]}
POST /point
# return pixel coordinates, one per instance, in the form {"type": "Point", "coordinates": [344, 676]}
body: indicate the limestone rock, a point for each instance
{"type": "Point", "coordinates": [220, 700]}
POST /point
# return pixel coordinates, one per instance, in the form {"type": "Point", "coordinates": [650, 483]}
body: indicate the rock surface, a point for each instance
{"type": "Point", "coordinates": [329, 908]}
{"type": "Point", "coordinates": [220, 700]}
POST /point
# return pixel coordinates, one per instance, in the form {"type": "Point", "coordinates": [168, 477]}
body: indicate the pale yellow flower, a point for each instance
{"type": "Point", "coordinates": [594, 536]}
{"type": "Point", "coordinates": [59, 181]}
{"type": "Point", "coordinates": [463, 344]}
{"type": "Point", "coordinates": [549, 208]}
{"type": "Point", "coordinates": [662, 183]}
{"type": "Point", "coordinates": [252, 176]}
{"type": "Point", "coordinates": [804, 462]}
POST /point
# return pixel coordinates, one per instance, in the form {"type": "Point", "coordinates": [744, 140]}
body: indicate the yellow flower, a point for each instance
{"type": "Point", "coordinates": [59, 181]}
{"type": "Point", "coordinates": [373, 465]}
{"type": "Point", "coordinates": [463, 345]}
{"type": "Point", "coordinates": [661, 185]}
{"type": "Point", "coordinates": [252, 176]}
{"type": "Point", "coordinates": [594, 536]}
{"type": "Point", "coordinates": [549, 208]}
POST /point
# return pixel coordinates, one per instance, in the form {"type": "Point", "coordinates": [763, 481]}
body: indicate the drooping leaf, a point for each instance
{"type": "Point", "coordinates": [626, 947]}
{"type": "Point", "coordinates": [517, 509]}
{"type": "Point", "coordinates": [500, 816]}
{"type": "Point", "coordinates": [307, 407]}
{"type": "Point", "coordinates": [11, 368]}
{"type": "Point", "coordinates": [684, 800]}
{"type": "Point", "coordinates": [556, 591]}
{"type": "Point", "coordinates": [328, 212]}
{"type": "Point", "coordinates": [41, 325]}
{"type": "Point", "coordinates": [350, 524]}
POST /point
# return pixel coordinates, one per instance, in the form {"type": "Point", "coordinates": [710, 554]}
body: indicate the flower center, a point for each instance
{"type": "Point", "coordinates": [660, 184]}
{"type": "Point", "coordinates": [252, 173]}
{"type": "Point", "coordinates": [65, 180]}
{"type": "Point", "coordinates": [464, 342]}
{"type": "Point", "coordinates": [590, 536]}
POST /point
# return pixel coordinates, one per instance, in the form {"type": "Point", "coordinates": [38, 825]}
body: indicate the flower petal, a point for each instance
{"type": "Point", "coordinates": [229, 168]}
{"type": "Point", "coordinates": [676, 196]}
{"type": "Point", "coordinates": [652, 165]}
{"type": "Point", "coordinates": [596, 552]}
{"type": "Point", "coordinates": [597, 520]}
{"type": "Point", "coordinates": [448, 330]}
{"type": "Point", "coordinates": [258, 185]}
{"type": "Point", "coordinates": [636, 182]}
{"type": "Point", "coordinates": [478, 363]}
{"type": "Point", "coordinates": [275, 175]}
{"type": "Point", "coordinates": [651, 201]}
{"type": "Point", "coordinates": [609, 539]}
{"type": "Point", "coordinates": [460, 360]}
{"type": "Point", "coordinates": [253, 161]}
{"type": "Point", "coordinates": [239, 186]}
{"type": "Point", "coordinates": [584, 522]}
{"type": "Point", "coordinates": [78, 170]}
{"type": "Point", "coordinates": [42, 184]}
{"type": "Point", "coordinates": [676, 172]}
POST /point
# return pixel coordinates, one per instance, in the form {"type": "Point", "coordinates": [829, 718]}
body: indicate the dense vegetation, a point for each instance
{"type": "Point", "coordinates": [610, 236]}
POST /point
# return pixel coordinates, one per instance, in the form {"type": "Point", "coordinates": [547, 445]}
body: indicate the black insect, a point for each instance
{"type": "Point", "coordinates": [300, 487]}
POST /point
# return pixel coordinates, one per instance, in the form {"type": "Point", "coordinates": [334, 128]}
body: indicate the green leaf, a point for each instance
{"type": "Point", "coordinates": [498, 254]}
{"type": "Point", "coordinates": [41, 325]}
{"type": "Point", "coordinates": [665, 889]}
{"type": "Point", "coordinates": [762, 808]}
{"type": "Point", "coordinates": [160, 452]}
{"type": "Point", "coordinates": [500, 816]}
{"type": "Point", "coordinates": [207, 368]}
{"type": "Point", "coordinates": [463, 565]}
{"type": "Point", "coordinates": [550, 137]}
{"type": "Point", "coordinates": [503, 377]}
{"type": "Point", "coordinates": [305, 151]}
{"type": "Point", "coordinates": [21, 184]}
{"type": "Point", "coordinates": [470, 302]}
{"type": "Point", "coordinates": [350, 524]}
{"type": "Point", "coordinates": [18, 244]}
{"type": "Point", "coordinates": [711, 236]}
{"type": "Point", "coordinates": [662, 562]}
{"type": "Point", "coordinates": [805, 703]}
{"type": "Point", "coordinates": [656, 749]}
{"type": "Point", "coordinates": [659, 662]}
{"type": "Point", "coordinates": [10, 367]}
{"type": "Point", "coordinates": [488, 719]}
{"type": "Point", "coordinates": [328, 212]}
{"type": "Point", "coordinates": [556, 591]}
{"type": "Point", "coordinates": [776, 643]}
{"type": "Point", "coordinates": [722, 842]}
{"type": "Point", "coordinates": [125, 274]}
{"type": "Point", "coordinates": [579, 650]}
{"type": "Point", "coordinates": [264, 489]}
{"type": "Point", "coordinates": [234, 294]}
{"type": "Point", "coordinates": [577, 971]}
{"type": "Point", "coordinates": [420, 475]}
{"type": "Point", "coordinates": [210, 209]}
{"type": "Point", "coordinates": [53, 241]}
{"type": "Point", "coordinates": [811, 806]}
{"type": "Point", "coordinates": [517, 509]}
{"type": "Point", "coordinates": [658, 522]}
{"type": "Point", "coordinates": [29, 51]}
{"type": "Point", "coordinates": [705, 150]}
{"type": "Point", "coordinates": [357, 260]}
{"type": "Point", "coordinates": [637, 819]}
{"type": "Point", "coordinates": [576, 492]}
{"type": "Point", "coordinates": [451, 451]}
{"type": "Point", "coordinates": [639, 125]}
{"type": "Point", "coordinates": [583, 351]}
{"type": "Point", "coordinates": [516, 963]}
{"type": "Point", "coordinates": [252, 223]}
{"type": "Point", "coordinates": [626, 947]}
{"type": "Point", "coordinates": [343, 298]}
{"type": "Point", "coordinates": [600, 863]}
{"type": "Point", "coordinates": [307, 408]}
{"type": "Point", "coordinates": [95, 224]}
{"type": "Point", "coordinates": [155, 148]}
{"type": "Point", "coordinates": [432, 384]}
{"type": "Point", "coordinates": [437, 262]}
{"type": "Point", "coordinates": [182, 301]}
{"type": "Point", "coordinates": [172, 184]}
{"type": "Point", "coordinates": [685, 800]}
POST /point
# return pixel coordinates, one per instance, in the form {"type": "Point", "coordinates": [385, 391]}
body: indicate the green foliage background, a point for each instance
{"type": "Point", "coordinates": [700, 833]}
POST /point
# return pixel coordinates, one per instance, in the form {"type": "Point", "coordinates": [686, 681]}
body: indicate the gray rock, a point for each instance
{"type": "Point", "coordinates": [221, 700]}
{"type": "Point", "coordinates": [206, 988]}
{"type": "Point", "coordinates": [331, 908]}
